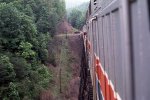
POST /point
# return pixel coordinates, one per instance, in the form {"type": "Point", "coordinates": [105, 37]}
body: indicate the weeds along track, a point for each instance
{"type": "Point", "coordinates": [66, 50]}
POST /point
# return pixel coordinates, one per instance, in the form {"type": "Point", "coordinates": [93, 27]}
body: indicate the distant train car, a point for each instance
{"type": "Point", "coordinates": [118, 44]}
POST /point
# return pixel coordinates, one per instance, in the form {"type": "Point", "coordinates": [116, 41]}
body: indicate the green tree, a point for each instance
{"type": "Point", "coordinates": [21, 67]}
{"type": "Point", "coordinates": [15, 27]}
{"type": "Point", "coordinates": [13, 93]}
{"type": "Point", "coordinates": [27, 51]}
{"type": "Point", "coordinates": [7, 73]}
{"type": "Point", "coordinates": [76, 18]}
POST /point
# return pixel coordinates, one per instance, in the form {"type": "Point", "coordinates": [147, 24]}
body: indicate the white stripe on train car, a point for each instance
{"type": "Point", "coordinates": [112, 86]}
{"type": "Point", "coordinates": [118, 96]}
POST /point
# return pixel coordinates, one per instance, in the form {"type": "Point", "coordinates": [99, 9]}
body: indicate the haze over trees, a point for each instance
{"type": "Point", "coordinates": [25, 29]}
{"type": "Point", "coordinates": [74, 3]}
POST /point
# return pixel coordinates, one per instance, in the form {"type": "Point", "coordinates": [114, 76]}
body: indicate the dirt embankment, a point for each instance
{"type": "Point", "coordinates": [64, 27]}
{"type": "Point", "coordinates": [67, 50]}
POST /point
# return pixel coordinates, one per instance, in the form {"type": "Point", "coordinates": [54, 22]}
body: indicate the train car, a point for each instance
{"type": "Point", "coordinates": [118, 48]}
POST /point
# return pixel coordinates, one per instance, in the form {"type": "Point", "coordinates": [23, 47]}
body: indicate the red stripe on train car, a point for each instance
{"type": "Point", "coordinates": [106, 85]}
{"type": "Point", "coordinates": [101, 78]}
{"type": "Point", "coordinates": [112, 93]}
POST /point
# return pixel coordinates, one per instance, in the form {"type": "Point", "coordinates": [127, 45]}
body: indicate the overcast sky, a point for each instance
{"type": "Point", "coordinates": [73, 3]}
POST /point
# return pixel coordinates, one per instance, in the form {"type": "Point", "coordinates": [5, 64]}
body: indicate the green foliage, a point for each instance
{"type": "Point", "coordinates": [27, 51]}
{"type": "Point", "coordinates": [43, 41]}
{"type": "Point", "coordinates": [31, 86]}
{"type": "Point", "coordinates": [10, 22]}
{"type": "Point", "coordinates": [15, 27]}
{"type": "Point", "coordinates": [7, 73]}
{"type": "Point", "coordinates": [13, 93]}
{"type": "Point", "coordinates": [10, 92]}
{"type": "Point", "coordinates": [45, 76]}
{"type": "Point", "coordinates": [21, 67]}
{"type": "Point", "coordinates": [25, 29]}
{"type": "Point", "coordinates": [6, 1]}
{"type": "Point", "coordinates": [76, 16]}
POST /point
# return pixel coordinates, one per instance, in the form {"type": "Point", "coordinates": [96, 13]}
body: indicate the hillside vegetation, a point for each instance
{"type": "Point", "coordinates": [77, 16]}
{"type": "Point", "coordinates": [25, 29]}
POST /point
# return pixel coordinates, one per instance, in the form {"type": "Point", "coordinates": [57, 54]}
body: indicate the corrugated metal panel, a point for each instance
{"type": "Point", "coordinates": [94, 35]}
{"type": "Point", "coordinates": [141, 49]}
{"type": "Point", "coordinates": [97, 36]}
{"type": "Point", "coordinates": [101, 44]}
{"type": "Point", "coordinates": [105, 3]}
{"type": "Point", "coordinates": [121, 58]}
{"type": "Point", "coordinates": [103, 35]}
{"type": "Point", "coordinates": [148, 2]}
{"type": "Point", "coordinates": [118, 51]}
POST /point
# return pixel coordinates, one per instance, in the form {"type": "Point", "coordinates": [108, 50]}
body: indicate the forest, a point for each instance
{"type": "Point", "coordinates": [77, 15]}
{"type": "Point", "coordinates": [25, 29]}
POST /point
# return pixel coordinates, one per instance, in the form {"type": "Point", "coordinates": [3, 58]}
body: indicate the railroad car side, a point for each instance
{"type": "Point", "coordinates": [118, 33]}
